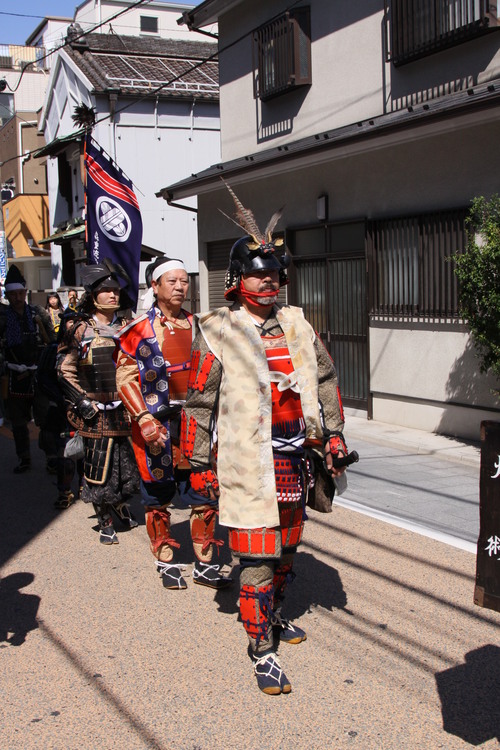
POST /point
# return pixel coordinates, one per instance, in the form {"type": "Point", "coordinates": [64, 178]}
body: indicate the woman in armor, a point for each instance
{"type": "Point", "coordinates": [87, 376]}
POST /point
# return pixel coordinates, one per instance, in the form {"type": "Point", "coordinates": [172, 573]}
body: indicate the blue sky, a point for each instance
{"type": "Point", "coordinates": [18, 18]}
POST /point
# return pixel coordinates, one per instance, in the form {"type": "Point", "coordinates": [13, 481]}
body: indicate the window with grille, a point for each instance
{"type": "Point", "coordinates": [6, 108]}
{"type": "Point", "coordinates": [282, 54]}
{"type": "Point", "coordinates": [149, 24]}
{"type": "Point", "coordinates": [411, 265]}
{"type": "Point", "coordinates": [421, 27]}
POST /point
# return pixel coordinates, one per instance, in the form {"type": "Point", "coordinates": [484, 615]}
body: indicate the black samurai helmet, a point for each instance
{"type": "Point", "coordinates": [257, 251]}
{"type": "Point", "coordinates": [107, 273]}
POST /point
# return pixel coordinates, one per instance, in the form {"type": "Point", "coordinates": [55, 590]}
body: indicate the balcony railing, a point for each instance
{"type": "Point", "coordinates": [282, 54]}
{"type": "Point", "coordinates": [421, 27]}
{"type": "Point", "coordinates": [17, 57]}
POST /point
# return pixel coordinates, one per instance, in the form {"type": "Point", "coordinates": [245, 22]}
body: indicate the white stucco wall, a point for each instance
{"type": "Point", "coordinates": [428, 377]}
{"type": "Point", "coordinates": [184, 139]}
{"type": "Point", "coordinates": [351, 81]}
{"type": "Point", "coordinates": [91, 13]}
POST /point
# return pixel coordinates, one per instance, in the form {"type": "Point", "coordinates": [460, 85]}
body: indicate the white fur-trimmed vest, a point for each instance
{"type": "Point", "coordinates": [245, 465]}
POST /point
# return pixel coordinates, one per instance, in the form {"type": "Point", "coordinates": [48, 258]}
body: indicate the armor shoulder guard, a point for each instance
{"type": "Point", "coordinates": [129, 337]}
{"type": "Point", "coordinates": [123, 332]}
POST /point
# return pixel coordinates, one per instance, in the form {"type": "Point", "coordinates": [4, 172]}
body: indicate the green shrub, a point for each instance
{"type": "Point", "coordinates": [478, 270]}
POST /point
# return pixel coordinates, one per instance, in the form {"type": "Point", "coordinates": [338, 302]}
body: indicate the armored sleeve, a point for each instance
{"type": "Point", "coordinates": [67, 367]}
{"type": "Point", "coordinates": [200, 411]}
{"type": "Point", "coordinates": [129, 387]}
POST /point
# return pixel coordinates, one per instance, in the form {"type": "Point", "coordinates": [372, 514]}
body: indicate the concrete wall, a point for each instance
{"type": "Point", "coordinates": [31, 89]}
{"type": "Point", "coordinates": [89, 14]}
{"type": "Point", "coordinates": [33, 172]}
{"type": "Point", "coordinates": [351, 81]}
{"type": "Point", "coordinates": [428, 377]}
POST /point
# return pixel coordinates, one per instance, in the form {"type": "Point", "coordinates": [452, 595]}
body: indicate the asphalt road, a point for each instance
{"type": "Point", "coordinates": [424, 491]}
{"type": "Point", "coordinates": [96, 654]}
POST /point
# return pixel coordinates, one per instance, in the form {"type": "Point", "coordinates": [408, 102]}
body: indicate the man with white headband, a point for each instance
{"type": "Point", "coordinates": [263, 377]}
{"type": "Point", "coordinates": [24, 331]}
{"type": "Point", "coordinates": [153, 367]}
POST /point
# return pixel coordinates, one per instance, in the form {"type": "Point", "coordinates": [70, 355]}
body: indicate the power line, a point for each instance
{"type": "Point", "coordinates": [75, 38]}
{"type": "Point", "coordinates": [19, 15]}
{"type": "Point", "coordinates": [152, 92]}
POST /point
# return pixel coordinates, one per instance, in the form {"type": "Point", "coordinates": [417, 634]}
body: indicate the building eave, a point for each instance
{"type": "Point", "coordinates": [206, 14]}
{"type": "Point", "coordinates": [36, 32]}
{"type": "Point", "coordinates": [481, 101]}
{"type": "Point", "coordinates": [58, 145]}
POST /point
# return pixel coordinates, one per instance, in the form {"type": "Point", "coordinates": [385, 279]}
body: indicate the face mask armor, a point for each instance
{"type": "Point", "coordinates": [255, 252]}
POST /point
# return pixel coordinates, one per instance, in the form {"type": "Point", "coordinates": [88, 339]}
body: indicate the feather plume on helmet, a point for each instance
{"type": "Point", "coordinates": [245, 219]}
{"type": "Point", "coordinates": [257, 251]}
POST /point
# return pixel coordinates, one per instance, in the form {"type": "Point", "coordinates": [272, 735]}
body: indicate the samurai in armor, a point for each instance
{"type": "Point", "coordinates": [25, 331]}
{"type": "Point", "coordinates": [87, 376]}
{"type": "Point", "coordinates": [261, 380]}
{"type": "Point", "coordinates": [153, 360]}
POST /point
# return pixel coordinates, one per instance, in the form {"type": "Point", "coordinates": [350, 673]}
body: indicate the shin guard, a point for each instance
{"type": "Point", "coordinates": [103, 515]}
{"type": "Point", "coordinates": [283, 575]}
{"type": "Point", "coordinates": [256, 603]}
{"type": "Point", "coordinates": [202, 523]}
{"type": "Point", "coordinates": [158, 528]}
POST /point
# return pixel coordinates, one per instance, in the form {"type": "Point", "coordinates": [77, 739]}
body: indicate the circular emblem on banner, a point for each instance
{"type": "Point", "coordinates": [113, 219]}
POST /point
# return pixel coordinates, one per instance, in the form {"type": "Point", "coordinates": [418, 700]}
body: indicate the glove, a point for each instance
{"type": "Point", "coordinates": [335, 445]}
{"type": "Point", "coordinates": [86, 408]}
{"type": "Point", "coordinates": [205, 483]}
{"type": "Point", "coordinates": [151, 430]}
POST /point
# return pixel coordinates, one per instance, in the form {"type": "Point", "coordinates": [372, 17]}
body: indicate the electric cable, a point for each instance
{"type": "Point", "coordinates": [152, 92]}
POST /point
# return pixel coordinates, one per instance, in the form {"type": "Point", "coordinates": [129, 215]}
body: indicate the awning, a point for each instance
{"type": "Point", "coordinates": [64, 235]}
{"type": "Point", "coordinates": [58, 145]}
{"type": "Point", "coordinates": [147, 253]}
{"type": "Point", "coordinates": [314, 149]}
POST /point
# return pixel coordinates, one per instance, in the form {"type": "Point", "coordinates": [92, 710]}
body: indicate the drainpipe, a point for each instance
{"type": "Point", "coordinates": [156, 120]}
{"type": "Point", "coordinates": [113, 98]}
{"type": "Point", "coordinates": [191, 137]}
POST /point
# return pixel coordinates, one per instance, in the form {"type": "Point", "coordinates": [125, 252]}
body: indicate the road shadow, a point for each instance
{"type": "Point", "coordinates": [18, 611]}
{"type": "Point", "coordinates": [27, 505]}
{"type": "Point", "coordinates": [470, 696]}
{"type": "Point", "coordinates": [27, 500]}
{"type": "Point", "coordinates": [316, 585]}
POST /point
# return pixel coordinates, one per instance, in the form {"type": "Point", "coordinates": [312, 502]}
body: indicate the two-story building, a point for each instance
{"type": "Point", "coordinates": [374, 124]}
{"type": "Point", "coordinates": [156, 103]}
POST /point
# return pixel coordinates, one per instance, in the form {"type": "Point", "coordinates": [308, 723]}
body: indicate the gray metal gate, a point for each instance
{"type": "Point", "coordinates": [330, 285]}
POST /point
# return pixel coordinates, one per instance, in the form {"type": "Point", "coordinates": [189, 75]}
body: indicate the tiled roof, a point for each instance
{"type": "Point", "coordinates": [138, 66]}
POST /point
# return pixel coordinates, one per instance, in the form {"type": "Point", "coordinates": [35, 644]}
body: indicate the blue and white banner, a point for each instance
{"type": "Point", "coordinates": [113, 217]}
{"type": "Point", "coordinates": [3, 261]}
